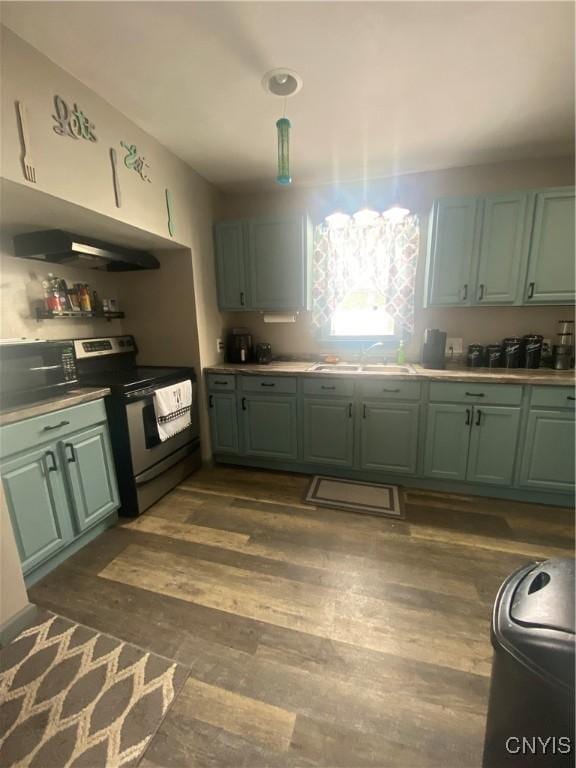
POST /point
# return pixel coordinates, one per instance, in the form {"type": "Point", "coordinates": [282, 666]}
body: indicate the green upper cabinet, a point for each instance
{"type": "Point", "coordinates": [278, 263]}
{"type": "Point", "coordinates": [548, 458]}
{"type": "Point", "coordinates": [231, 266]}
{"type": "Point", "coordinates": [263, 264]}
{"type": "Point", "coordinates": [87, 457]}
{"type": "Point", "coordinates": [551, 274]}
{"type": "Point", "coordinates": [503, 248]}
{"type": "Point", "coordinates": [223, 422]}
{"type": "Point", "coordinates": [389, 437]}
{"type": "Point", "coordinates": [514, 248]}
{"type": "Point", "coordinates": [452, 247]}
{"type": "Point", "coordinates": [328, 432]}
{"type": "Point", "coordinates": [36, 500]}
{"type": "Point", "coordinates": [493, 441]}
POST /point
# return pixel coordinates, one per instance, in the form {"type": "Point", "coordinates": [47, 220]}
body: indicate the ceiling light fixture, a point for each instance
{"type": "Point", "coordinates": [283, 83]}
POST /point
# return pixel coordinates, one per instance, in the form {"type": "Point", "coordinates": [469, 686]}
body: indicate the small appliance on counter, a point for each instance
{"type": "Point", "coordinates": [532, 350]}
{"type": "Point", "coordinates": [239, 346]}
{"type": "Point", "coordinates": [434, 349]}
{"type": "Point", "coordinates": [263, 353]}
{"type": "Point", "coordinates": [33, 370]}
{"type": "Point", "coordinates": [475, 356]}
{"type": "Point", "coordinates": [563, 351]}
{"type": "Point", "coordinates": [511, 352]}
{"type": "Point", "coordinates": [493, 356]}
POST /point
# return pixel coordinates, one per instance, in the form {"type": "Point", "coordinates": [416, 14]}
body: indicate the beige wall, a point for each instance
{"type": "Point", "coordinates": [173, 312]}
{"type": "Point", "coordinates": [417, 192]}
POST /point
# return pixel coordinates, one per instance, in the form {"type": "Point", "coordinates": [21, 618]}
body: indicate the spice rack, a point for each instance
{"type": "Point", "coordinates": [46, 314]}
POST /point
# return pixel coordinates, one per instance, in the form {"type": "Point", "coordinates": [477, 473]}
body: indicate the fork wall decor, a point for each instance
{"type": "Point", "coordinates": [26, 156]}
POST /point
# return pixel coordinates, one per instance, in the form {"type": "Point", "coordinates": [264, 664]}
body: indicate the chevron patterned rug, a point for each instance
{"type": "Point", "coordinates": [71, 696]}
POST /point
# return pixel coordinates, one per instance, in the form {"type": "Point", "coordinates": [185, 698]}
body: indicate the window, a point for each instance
{"type": "Point", "coordinates": [363, 274]}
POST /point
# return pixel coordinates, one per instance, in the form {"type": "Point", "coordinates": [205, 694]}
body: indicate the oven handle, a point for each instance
{"type": "Point", "coordinates": [141, 394]}
{"type": "Point", "coordinates": [46, 368]}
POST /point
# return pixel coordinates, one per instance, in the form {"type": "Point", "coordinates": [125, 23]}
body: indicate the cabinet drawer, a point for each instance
{"type": "Point", "coordinates": [282, 385]}
{"type": "Point", "coordinates": [390, 389]}
{"type": "Point", "coordinates": [221, 382]}
{"type": "Point", "coordinates": [51, 426]}
{"type": "Point", "coordinates": [553, 397]}
{"type": "Point", "coordinates": [330, 387]}
{"type": "Point", "coordinates": [500, 394]}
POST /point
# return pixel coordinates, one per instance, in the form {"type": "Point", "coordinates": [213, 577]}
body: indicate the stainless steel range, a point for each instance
{"type": "Point", "coordinates": [145, 467]}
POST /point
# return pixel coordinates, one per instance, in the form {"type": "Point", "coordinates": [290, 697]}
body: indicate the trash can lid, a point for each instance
{"type": "Point", "coordinates": [544, 598]}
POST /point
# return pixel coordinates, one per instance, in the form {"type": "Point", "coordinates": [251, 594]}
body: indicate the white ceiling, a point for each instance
{"type": "Point", "coordinates": [388, 86]}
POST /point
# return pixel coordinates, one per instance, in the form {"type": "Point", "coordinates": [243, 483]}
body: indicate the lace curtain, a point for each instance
{"type": "Point", "coordinates": [375, 260]}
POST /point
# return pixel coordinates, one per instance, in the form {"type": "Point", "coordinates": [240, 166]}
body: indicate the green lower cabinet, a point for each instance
{"type": "Point", "coordinates": [269, 426]}
{"type": "Point", "coordinates": [493, 440]}
{"type": "Point", "coordinates": [389, 436]}
{"type": "Point", "coordinates": [447, 437]}
{"type": "Point", "coordinates": [548, 457]}
{"type": "Point", "coordinates": [328, 433]}
{"type": "Point", "coordinates": [87, 457]}
{"type": "Point", "coordinates": [223, 422]}
{"type": "Point", "coordinates": [36, 500]}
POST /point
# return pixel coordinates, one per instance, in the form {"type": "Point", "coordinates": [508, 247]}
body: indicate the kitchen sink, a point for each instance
{"type": "Point", "coordinates": [384, 368]}
{"type": "Point", "coordinates": [343, 367]}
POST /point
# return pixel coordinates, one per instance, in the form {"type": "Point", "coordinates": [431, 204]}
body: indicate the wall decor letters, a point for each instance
{"type": "Point", "coordinates": [73, 123]}
{"type": "Point", "coordinates": [26, 156]}
{"type": "Point", "coordinates": [135, 162]}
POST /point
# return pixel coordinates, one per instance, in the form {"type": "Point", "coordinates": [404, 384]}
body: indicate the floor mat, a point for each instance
{"type": "Point", "coordinates": [72, 696]}
{"type": "Point", "coordinates": [355, 496]}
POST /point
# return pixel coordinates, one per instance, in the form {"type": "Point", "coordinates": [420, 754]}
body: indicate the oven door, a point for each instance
{"type": "Point", "coordinates": [145, 447]}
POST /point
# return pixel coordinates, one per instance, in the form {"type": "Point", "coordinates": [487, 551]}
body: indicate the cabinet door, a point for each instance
{"type": "Point", "coordinates": [548, 458]}
{"type": "Point", "coordinates": [503, 245]}
{"type": "Point", "coordinates": [269, 427]}
{"type": "Point", "coordinates": [328, 431]}
{"type": "Point", "coordinates": [447, 436]}
{"type": "Point", "coordinates": [231, 265]}
{"type": "Point", "coordinates": [223, 422]}
{"type": "Point", "coordinates": [38, 506]}
{"type": "Point", "coordinates": [277, 263]}
{"type": "Point", "coordinates": [389, 437]}
{"type": "Point", "coordinates": [90, 474]}
{"type": "Point", "coordinates": [451, 252]}
{"type": "Point", "coordinates": [551, 273]}
{"type": "Point", "coordinates": [493, 445]}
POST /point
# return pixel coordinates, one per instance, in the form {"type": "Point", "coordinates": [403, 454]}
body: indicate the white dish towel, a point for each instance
{"type": "Point", "coordinates": [173, 408]}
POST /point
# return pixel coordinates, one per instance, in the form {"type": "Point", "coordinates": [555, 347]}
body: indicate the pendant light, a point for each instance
{"type": "Point", "coordinates": [282, 83]}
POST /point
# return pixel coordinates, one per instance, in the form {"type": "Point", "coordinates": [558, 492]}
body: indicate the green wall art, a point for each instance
{"type": "Point", "coordinates": [134, 161]}
{"type": "Point", "coordinates": [72, 122]}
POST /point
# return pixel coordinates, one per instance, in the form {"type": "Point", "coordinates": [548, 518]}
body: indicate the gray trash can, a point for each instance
{"type": "Point", "coordinates": [531, 706]}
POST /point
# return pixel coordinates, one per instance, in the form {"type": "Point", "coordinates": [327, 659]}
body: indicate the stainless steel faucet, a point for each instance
{"type": "Point", "coordinates": [364, 352]}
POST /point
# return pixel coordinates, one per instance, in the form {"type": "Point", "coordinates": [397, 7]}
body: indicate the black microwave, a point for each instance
{"type": "Point", "coordinates": [35, 370]}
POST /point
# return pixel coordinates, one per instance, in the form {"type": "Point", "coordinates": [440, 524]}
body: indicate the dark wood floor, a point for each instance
{"type": "Point", "coordinates": [313, 636]}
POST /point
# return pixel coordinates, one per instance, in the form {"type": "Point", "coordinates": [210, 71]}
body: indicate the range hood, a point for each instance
{"type": "Point", "coordinates": [55, 246]}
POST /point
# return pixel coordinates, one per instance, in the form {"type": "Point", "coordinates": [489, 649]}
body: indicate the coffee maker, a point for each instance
{"type": "Point", "coordinates": [563, 350]}
{"type": "Point", "coordinates": [434, 349]}
{"type": "Point", "coordinates": [239, 347]}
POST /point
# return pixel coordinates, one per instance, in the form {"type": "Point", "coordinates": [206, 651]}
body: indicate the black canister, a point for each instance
{"type": "Point", "coordinates": [493, 358]}
{"type": "Point", "coordinates": [511, 352]}
{"type": "Point", "coordinates": [531, 350]}
{"type": "Point", "coordinates": [475, 356]}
